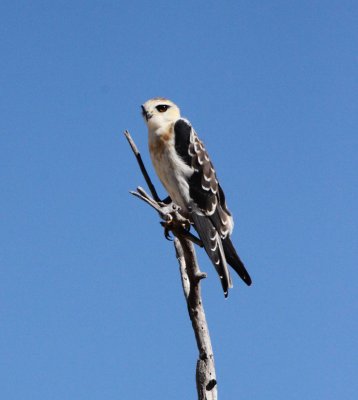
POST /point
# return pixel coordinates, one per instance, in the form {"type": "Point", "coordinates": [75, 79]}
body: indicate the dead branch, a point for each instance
{"type": "Point", "coordinates": [141, 165]}
{"type": "Point", "coordinates": [191, 276]}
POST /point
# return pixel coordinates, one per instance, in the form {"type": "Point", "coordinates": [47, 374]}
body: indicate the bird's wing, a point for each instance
{"type": "Point", "coordinates": [210, 214]}
{"type": "Point", "coordinates": [204, 188]}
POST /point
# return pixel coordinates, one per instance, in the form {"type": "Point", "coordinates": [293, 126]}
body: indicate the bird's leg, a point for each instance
{"type": "Point", "coordinates": [167, 225]}
{"type": "Point", "coordinates": [170, 213]}
{"type": "Point", "coordinates": [171, 219]}
{"type": "Point", "coordinates": [179, 225]}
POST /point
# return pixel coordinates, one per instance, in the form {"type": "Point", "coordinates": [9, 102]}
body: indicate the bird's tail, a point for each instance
{"type": "Point", "coordinates": [213, 247]}
{"type": "Point", "coordinates": [234, 260]}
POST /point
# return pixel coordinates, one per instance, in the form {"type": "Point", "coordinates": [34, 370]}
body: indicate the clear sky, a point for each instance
{"type": "Point", "coordinates": [91, 305]}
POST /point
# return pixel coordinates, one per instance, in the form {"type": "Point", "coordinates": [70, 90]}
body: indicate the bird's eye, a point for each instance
{"type": "Point", "coordinates": [162, 108]}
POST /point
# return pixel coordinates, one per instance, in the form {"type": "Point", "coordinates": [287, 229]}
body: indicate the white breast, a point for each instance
{"type": "Point", "coordinates": [170, 168]}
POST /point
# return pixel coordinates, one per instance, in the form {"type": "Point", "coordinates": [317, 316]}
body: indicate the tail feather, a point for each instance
{"type": "Point", "coordinates": [234, 260]}
{"type": "Point", "coordinates": [213, 247]}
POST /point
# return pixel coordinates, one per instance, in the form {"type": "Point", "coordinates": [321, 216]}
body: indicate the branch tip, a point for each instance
{"type": "Point", "coordinates": [200, 275]}
{"type": "Point", "coordinates": [131, 142]}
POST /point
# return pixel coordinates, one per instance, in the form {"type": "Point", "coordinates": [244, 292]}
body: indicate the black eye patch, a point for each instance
{"type": "Point", "coordinates": [162, 107]}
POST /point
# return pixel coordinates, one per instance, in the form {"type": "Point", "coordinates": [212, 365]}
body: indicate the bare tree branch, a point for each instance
{"type": "Point", "coordinates": [190, 277]}
{"type": "Point", "coordinates": [141, 165]}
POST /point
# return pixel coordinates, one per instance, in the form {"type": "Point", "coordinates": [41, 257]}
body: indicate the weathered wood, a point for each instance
{"type": "Point", "coordinates": [190, 277]}
{"type": "Point", "coordinates": [141, 166]}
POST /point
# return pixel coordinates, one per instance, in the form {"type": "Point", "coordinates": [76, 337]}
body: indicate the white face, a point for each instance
{"type": "Point", "coordinates": [159, 112]}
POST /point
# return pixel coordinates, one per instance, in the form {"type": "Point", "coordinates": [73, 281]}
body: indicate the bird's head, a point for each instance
{"type": "Point", "coordinates": [159, 112]}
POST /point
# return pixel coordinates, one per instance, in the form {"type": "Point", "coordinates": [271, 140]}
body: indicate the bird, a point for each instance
{"type": "Point", "coordinates": [184, 168]}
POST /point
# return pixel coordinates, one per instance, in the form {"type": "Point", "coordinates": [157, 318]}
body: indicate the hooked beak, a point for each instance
{"type": "Point", "coordinates": [146, 114]}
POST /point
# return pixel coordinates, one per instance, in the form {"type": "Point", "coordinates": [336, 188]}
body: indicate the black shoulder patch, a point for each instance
{"type": "Point", "coordinates": [182, 132]}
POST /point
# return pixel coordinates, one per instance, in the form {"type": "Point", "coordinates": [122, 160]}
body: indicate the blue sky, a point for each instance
{"type": "Point", "coordinates": [91, 305]}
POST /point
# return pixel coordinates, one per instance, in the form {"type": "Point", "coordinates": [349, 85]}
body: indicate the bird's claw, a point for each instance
{"type": "Point", "coordinates": [186, 225]}
{"type": "Point", "coordinates": [167, 234]}
{"type": "Point", "coordinates": [173, 221]}
{"type": "Point", "coordinates": [167, 224]}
